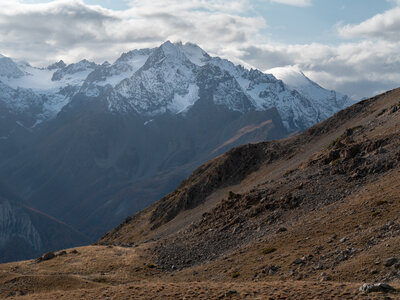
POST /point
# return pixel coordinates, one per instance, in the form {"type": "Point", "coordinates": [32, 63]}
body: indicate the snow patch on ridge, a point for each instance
{"type": "Point", "coordinates": [181, 103]}
{"type": "Point", "coordinates": [8, 69]}
{"type": "Point", "coordinates": [295, 79]}
{"type": "Point", "coordinates": [291, 75]}
{"type": "Point", "coordinates": [195, 54]}
{"type": "Point", "coordinates": [327, 100]}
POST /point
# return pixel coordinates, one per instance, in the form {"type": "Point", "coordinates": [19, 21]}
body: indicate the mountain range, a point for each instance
{"type": "Point", "coordinates": [89, 144]}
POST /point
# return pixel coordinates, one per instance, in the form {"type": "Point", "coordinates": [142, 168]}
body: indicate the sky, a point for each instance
{"type": "Point", "coordinates": [351, 46]}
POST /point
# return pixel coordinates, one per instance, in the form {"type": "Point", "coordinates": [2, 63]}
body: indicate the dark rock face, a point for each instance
{"type": "Point", "coordinates": [25, 233]}
{"type": "Point", "coordinates": [58, 65]}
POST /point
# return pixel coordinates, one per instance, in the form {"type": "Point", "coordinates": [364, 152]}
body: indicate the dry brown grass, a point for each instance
{"type": "Point", "coordinates": [210, 290]}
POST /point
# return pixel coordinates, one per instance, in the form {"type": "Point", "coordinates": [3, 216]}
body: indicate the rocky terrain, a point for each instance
{"type": "Point", "coordinates": [112, 272]}
{"type": "Point", "coordinates": [313, 216]}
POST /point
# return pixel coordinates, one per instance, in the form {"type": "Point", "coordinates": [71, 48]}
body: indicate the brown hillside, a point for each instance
{"type": "Point", "coordinates": [356, 144]}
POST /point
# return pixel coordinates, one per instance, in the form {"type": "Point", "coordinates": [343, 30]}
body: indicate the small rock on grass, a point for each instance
{"type": "Point", "coordinates": [390, 261]}
{"type": "Point", "coordinates": [281, 229]}
{"type": "Point", "coordinates": [298, 261]}
{"type": "Point", "coordinates": [229, 294]}
{"type": "Point", "coordinates": [376, 287]}
{"type": "Point", "coordinates": [46, 256]}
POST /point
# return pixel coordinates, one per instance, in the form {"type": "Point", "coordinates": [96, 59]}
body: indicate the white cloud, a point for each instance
{"type": "Point", "coordinates": [359, 69]}
{"type": "Point", "coordinates": [294, 2]}
{"type": "Point", "coordinates": [385, 25]}
{"type": "Point", "coordinates": [72, 30]}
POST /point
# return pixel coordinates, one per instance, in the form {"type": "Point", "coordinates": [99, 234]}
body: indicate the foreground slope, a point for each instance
{"type": "Point", "coordinates": [354, 147]}
{"type": "Point", "coordinates": [312, 216]}
{"type": "Point", "coordinates": [336, 183]}
{"type": "Point", "coordinates": [101, 272]}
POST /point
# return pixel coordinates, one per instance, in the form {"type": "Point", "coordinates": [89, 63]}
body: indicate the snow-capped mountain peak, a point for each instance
{"type": "Point", "coordinates": [84, 67]}
{"type": "Point", "coordinates": [167, 54]}
{"type": "Point", "coordinates": [124, 67]}
{"type": "Point", "coordinates": [133, 60]}
{"type": "Point", "coordinates": [172, 78]}
{"type": "Point", "coordinates": [295, 79]}
{"type": "Point", "coordinates": [292, 76]}
{"type": "Point", "coordinates": [170, 49]}
{"type": "Point", "coordinates": [166, 82]}
{"type": "Point", "coordinates": [194, 53]}
{"type": "Point", "coordinates": [9, 69]}
{"type": "Point", "coordinates": [58, 65]}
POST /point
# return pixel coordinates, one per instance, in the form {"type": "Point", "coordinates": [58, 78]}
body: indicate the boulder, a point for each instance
{"type": "Point", "coordinates": [46, 256]}
{"type": "Point", "coordinates": [376, 287]}
{"type": "Point", "coordinates": [390, 261]}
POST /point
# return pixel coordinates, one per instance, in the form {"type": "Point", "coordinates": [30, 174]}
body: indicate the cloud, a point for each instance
{"type": "Point", "coordinates": [300, 3]}
{"type": "Point", "coordinates": [71, 30]}
{"type": "Point", "coordinates": [381, 26]}
{"type": "Point", "coordinates": [359, 69]}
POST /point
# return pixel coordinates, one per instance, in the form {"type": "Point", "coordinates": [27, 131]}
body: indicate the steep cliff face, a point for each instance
{"type": "Point", "coordinates": [27, 233]}
{"type": "Point", "coordinates": [16, 224]}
